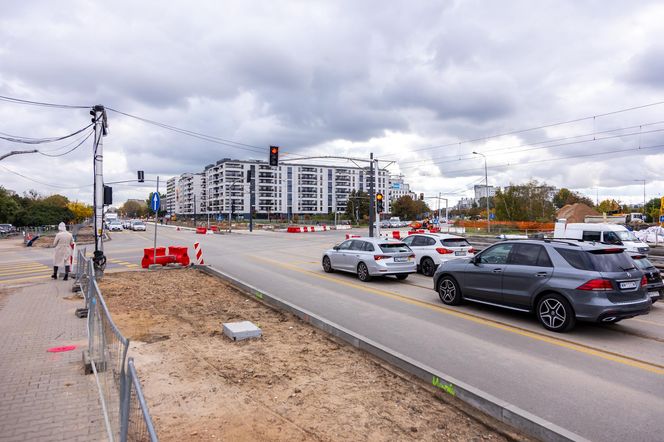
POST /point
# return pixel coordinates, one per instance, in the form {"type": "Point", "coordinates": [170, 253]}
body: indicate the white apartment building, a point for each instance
{"type": "Point", "coordinates": [171, 184]}
{"type": "Point", "coordinates": [481, 191]}
{"type": "Point", "coordinates": [284, 190]}
{"type": "Point", "coordinates": [190, 194]}
{"type": "Point", "coordinates": [399, 188]}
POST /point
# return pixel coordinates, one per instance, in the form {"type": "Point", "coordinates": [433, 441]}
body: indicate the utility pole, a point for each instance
{"type": "Point", "coordinates": [101, 130]}
{"type": "Point", "coordinates": [486, 186]}
{"type": "Point", "coordinates": [377, 174]}
{"type": "Point", "coordinates": [156, 215]}
{"type": "Point", "coordinates": [372, 196]}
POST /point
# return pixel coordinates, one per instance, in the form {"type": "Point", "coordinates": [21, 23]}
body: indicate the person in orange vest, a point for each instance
{"type": "Point", "coordinates": [62, 243]}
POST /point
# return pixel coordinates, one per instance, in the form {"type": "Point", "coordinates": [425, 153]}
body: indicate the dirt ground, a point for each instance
{"type": "Point", "coordinates": [293, 384]}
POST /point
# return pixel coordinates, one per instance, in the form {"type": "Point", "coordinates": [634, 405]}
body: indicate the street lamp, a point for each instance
{"type": "Point", "coordinates": [486, 186]}
{"type": "Point", "coordinates": [644, 198]}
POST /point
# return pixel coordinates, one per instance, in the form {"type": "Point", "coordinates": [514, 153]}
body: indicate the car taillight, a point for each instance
{"type": "Point", "coordinates": [644, 281]}
{"type": "Point", "coordinates": [472, 250]}
{"type": "Point", "coordinates": [596, 285]}
{"type": "Point", "coordinates": [444, 251]}
{"type": "Point", "coordinates": [411, 256]}
{"type": "Point", "coordinates": [379, 257]}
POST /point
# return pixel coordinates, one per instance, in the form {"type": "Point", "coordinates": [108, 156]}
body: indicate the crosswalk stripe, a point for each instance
{"type": "Point", "coordinates": [24, 272]}
{"type": "Point", "coordinates": [21, 267]}
{"type": "Point", "coordinates": [32, 278]}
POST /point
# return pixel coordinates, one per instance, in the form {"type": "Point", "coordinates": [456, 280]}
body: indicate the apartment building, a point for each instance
{"type": "Point", "coordinates": [190, 194]}
{"type": "Point", "coordinates": [275, 191]}
{"type": "Point", "coordinates": [482, 190]}
{"type": "Point", "coordinates": [399, 188]}
{"type": "Point", "coordinates": [171, 185]}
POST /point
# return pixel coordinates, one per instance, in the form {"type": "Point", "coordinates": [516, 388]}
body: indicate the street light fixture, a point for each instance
{"type": "Point", "coordinates": [486, 195]}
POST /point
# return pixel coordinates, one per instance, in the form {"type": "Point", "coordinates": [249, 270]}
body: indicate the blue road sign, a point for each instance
{"type": "Point", "coordinates": [661, 218]}
{"type": "Point", "coordinates": [492, 216]}
{"type": "Point", "coordinates": [155, 203]}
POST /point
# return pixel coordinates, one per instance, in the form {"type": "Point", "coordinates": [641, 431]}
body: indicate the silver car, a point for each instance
{"type": "Point", "coordinates": [369, 257]}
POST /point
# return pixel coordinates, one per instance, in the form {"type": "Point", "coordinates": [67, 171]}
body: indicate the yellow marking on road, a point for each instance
{"type": "Point", "coordinates": [607, 355]}
{"type": "Point", "coordinates": [24, 272]}
{"type": "Point", "coordinates": [32, 278]}
{"type": "Point", "coordinates": [21, 266]}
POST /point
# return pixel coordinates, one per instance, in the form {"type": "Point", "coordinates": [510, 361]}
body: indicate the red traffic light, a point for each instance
{"type": "Point", "coordinates": [275, 150]}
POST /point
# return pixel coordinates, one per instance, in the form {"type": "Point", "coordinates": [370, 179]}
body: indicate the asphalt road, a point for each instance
{"type": "Point", "coordinates": [603, 382]}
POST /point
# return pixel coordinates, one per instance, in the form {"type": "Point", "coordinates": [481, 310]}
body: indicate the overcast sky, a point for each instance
{"type": "Point", "coordinates": [395, 78]}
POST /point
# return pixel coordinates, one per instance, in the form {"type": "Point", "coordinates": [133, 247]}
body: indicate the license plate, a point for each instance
{"type": "Point", "coordinates": [461, 253]}
{"type": "Point", "coordinates": [653, 294]}
{"type": "Point", "coordinates": [628, 285]}
{"type": "Point", "coordinates": [400, 259]}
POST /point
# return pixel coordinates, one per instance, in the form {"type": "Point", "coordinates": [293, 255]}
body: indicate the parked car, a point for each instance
{"type": "Point", "coordinates": [369, 257]}
{"type": "Point", "coordinates": [560, 281]}
{"type": "Point", "coordinates": [655, 285]}
{"type": "Point", "coordinates": [138, 226]}
{"type": "Point", "coordinates": [115, 226]}
{"type": "Point", "coordinates": [432, 249]}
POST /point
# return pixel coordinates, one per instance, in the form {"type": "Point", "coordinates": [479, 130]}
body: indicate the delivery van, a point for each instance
{"type": "Point", "coordinates": [603, 233]}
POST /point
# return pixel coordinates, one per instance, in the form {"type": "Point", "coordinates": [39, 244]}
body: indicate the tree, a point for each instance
{"type": "Point", "coordinates": [525, 202]}
{"type": "Point", "coordinates": [565, 196]}
{"type": "Point", "coordinates": [133, 209]}
{"type": "Point", "coordinates": [56, 200]}
{"type": "Point", "coordinates": [162, 207]}
{"type": "Point", "coordinates": [609, 206]}
{"type": "Point", "coordinates": [652, 210]}
{"type": "Point", "coordinates": [81, 211]}
{"type": "Point", "coordinates": [406, 208]}
{"type": "Point", "coordinates": [357, 207]}
{"type": "Point", "coordinates": [9, 207]}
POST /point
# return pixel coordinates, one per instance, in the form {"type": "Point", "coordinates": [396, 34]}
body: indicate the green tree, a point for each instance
{"type": "Point", "coordinates": [9, 207]}
{"type": "Point", "coordinates": [609, 206]}
{"type": "Point", "coordinates": [162, 207]}
{"type": "Point", "coordinates": [407, 208]}
{"type": "Point", "coordinates": [565, 196]}
{"type": "Point", "coordinates": [133, 209]}
{"type": "Point", "coordinates": [525, 202]}
{"type": "Point", "coordinates": [56, 200]}
{"type": "Point", "coordinates": [357, 207]}
{"type": "Point", "coordinates": [652, 210]}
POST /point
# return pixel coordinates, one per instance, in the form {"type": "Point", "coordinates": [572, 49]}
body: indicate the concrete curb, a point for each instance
{"type": "Point", "coordinates": [503, 411]}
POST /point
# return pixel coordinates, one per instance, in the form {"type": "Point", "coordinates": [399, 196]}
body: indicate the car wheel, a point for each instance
{"type": "Point", "coordinates": [449, 291]}
{"type": "Point", "coordinates": [327, 265]}
{"type": "Point", "coordinates": [555, 313]}
{"type": "Point", "coordinates": [427, 267]}
{"type": "Point", "coordinates": [402, 276]}
{"type": "Point", "coordinates": [363, 272]}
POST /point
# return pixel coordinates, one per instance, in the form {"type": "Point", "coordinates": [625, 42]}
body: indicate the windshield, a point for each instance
{"type": "Point", "coordinates": [643, 263]}
{"type": "Point", "coordinates": [396, 247]}
{"type": "Point", "coordinates": [627, 236]}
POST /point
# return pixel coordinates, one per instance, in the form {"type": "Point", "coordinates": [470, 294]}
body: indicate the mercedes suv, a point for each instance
{"type": "Point", "coordinates": [560, 281]}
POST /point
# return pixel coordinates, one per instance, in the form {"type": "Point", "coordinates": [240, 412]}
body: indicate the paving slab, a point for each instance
{"type": "Point", "coordinates": [45, 396]}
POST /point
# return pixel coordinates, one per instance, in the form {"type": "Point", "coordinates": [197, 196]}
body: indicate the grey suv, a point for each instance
{"type": "Point", "coordinates": [560, 281]}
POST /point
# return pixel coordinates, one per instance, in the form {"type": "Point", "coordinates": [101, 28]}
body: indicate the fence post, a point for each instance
{"type": "Point", "coordinates": [125, 393]}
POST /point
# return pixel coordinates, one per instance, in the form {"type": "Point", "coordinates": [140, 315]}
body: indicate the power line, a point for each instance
{"type": "Point", "coordinates": [70, 150]}
{"type": "Point", "coordinates": [28, 140]}
{"type": "Point", "coordinates": [547, 147]}
{"type": "Point", "coordinates": [544, 126]}
{"type": "Point", "coordinates": [41, 182]}
{"type": "Point", "coordinates": [42, 104]}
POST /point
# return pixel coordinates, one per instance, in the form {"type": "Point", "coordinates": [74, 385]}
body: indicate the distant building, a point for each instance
{"type": "Point", "coordinates": [190, 194]}
{"type": "Point", "coordinates": [481, 191]}
{"type": "Point", "coordinates": [398, 188]}
{"type": "Point", "coordinates": [465, 204]}
{"type": "Point", "coordinates": [171, 185]}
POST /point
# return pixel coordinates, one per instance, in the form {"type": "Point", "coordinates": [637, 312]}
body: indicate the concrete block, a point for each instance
{"type": "Point", "coordinates": [238, 331]}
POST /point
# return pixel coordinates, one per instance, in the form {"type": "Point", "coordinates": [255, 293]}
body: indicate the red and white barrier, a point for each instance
{"type": "Point", "coordinates": [303, 229]}
{"type": "Point", "coordinates": [199, 254]}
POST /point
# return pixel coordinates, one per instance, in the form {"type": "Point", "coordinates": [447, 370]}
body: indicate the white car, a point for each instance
{"type": "Point", "coordinates": [115, 226]}
{"type": "Point", "coordinates": [432, 249]}
{"type": "Point", "coordinates": [138, 225]}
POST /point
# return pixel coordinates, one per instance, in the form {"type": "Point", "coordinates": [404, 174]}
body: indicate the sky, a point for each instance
{"type": "Point", "coordinates": [422, 85]}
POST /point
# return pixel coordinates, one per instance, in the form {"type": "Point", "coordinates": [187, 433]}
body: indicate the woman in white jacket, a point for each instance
{"type": "Point", "coordinates": [62, 243]}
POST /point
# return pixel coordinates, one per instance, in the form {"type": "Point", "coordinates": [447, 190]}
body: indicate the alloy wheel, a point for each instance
{"type": "Point", "coordinates": [552, 313]}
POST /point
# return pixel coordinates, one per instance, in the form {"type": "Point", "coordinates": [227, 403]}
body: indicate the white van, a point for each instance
{"type": "Point", "coordinates": [604, 233]}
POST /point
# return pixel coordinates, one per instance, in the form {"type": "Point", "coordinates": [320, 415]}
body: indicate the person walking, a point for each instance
{"type": "Point", "coordinates": [62, 243]}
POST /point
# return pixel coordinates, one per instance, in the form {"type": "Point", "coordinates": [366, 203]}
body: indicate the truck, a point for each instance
{"type": "Point", "coordinates": [601, 232]}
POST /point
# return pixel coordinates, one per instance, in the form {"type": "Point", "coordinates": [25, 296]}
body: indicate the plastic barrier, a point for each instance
{"type": "Point", "coordinates": [434, 230]}
{"type": "Point", "coordinates": [201, 230]}
{"type": "Point", "coordinates": [214, 228]}
{"type": "Point", "coordinates": [396, 234]}
{"type": "Point", "coordinates": [349, 236]}
{"type": "Point", "coordinates": [162, 257]}
{"type": "Point", "coordinates": [294, 229]}
{"type": "Point", "coordinates": [181, 254]}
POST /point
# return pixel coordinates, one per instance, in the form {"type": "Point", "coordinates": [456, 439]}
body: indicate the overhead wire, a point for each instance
{"type": "Point", "coordinates": [33, 141]}
{"type": "Point", "coordinates": [42, 104]}
{"type": "Point", "coordinates": [70, 150]}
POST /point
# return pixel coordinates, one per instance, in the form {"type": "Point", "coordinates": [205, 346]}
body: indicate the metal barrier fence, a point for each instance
{"type": "Point", "coordinates": [125, 412]}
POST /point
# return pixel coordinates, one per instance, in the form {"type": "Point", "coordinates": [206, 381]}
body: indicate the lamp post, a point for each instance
{"type": "Point", "coordinates": [644, 198]}
{"type": "Point", "coordinates": [486, 195]}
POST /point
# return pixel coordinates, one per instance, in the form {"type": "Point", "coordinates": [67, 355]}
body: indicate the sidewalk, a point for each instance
{"type": "Point", "coordinates": [45, 396]}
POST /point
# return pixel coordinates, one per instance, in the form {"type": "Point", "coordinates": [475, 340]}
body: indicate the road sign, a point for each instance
{"type": "Point", "coordinates": [661, 218]}
{"type": "Point", "coordinates": [492, 216]}
{"type": "Point", "coordinates": [155, 203]}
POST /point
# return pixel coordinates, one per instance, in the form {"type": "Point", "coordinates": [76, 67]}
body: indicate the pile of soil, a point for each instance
{"type": "Point", "coordinates": [294, 384]}
{"type": "Point", "coordinates": [576, 213]}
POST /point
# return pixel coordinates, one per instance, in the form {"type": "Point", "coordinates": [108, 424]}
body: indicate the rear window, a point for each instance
{"type": "Point", "coordinates": [455, 242]}
{"type": "Point", "coordinates": [394, 247]}
{"type": "Point", "coordinates": [597, 261]}
{"type": "Point", "coordinates": [643, 263]}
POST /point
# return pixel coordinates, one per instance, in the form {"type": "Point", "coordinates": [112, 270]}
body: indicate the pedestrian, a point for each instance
{"type": "Point", "coordinates": [62, 243]}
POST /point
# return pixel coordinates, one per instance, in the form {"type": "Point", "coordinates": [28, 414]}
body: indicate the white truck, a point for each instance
{"type": "Point", "coordinates": [603, 233]}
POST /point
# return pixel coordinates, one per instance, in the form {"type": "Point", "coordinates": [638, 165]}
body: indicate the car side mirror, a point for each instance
{"type": "Point", "coordinates": [475, 260]}
{"type": "Point", "coordinates": [335, 248]}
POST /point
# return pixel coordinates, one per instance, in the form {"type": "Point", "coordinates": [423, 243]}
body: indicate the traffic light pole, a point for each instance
{"type": "Point", "coordinates": [372, 197]}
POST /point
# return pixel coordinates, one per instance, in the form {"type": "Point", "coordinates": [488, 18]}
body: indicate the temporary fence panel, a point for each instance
{"type": "Point", "coordinates": [137, 423]}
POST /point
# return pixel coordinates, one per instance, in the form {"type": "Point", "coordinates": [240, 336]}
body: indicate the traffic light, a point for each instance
{"type": "Point", "coordinates": [379, 203]}
{"type": "Point", "coordinates": [274, 156]}
{"type": "Point", "coordinates": [141, 176]}
{"type": "Point", "coordinates": [108, 195]}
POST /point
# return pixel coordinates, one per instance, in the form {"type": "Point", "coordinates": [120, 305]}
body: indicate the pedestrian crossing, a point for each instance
{"type": "Point", "coordinates": [15, 272]}
{"type": "Point", "coordinates": [123, 263]}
